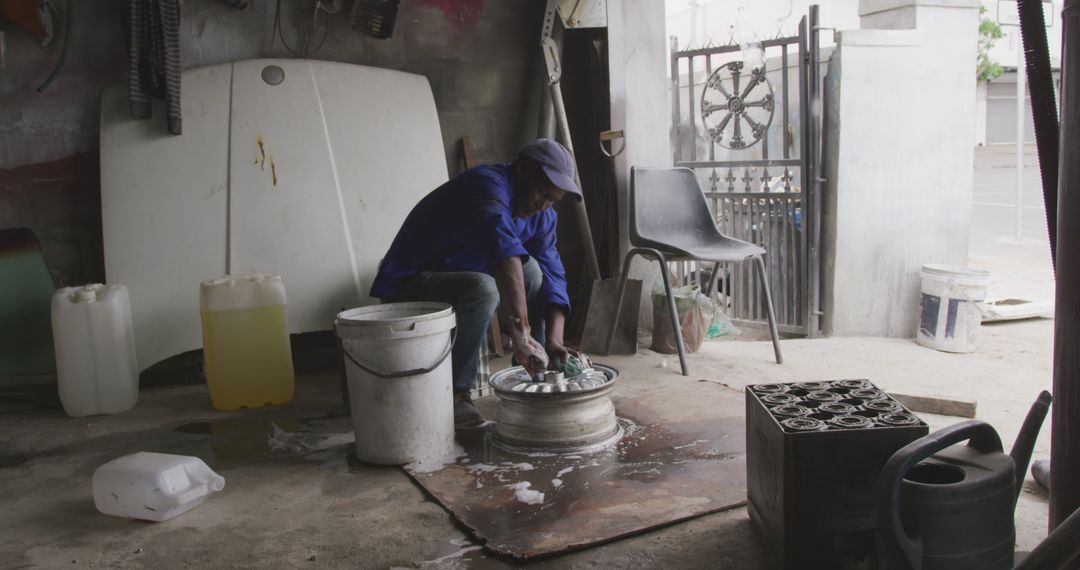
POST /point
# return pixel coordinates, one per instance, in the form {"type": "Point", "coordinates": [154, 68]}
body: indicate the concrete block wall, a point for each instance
{"type": "Point", "coordinates": [477, 54]}
{"type": "Point", "coordinates": [900, 114]}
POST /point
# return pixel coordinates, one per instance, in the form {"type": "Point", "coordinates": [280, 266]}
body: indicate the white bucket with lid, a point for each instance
{"type": "Point", "coordinates": [949, 314]}
{"type": "Point", "coordinates": [397, 363]}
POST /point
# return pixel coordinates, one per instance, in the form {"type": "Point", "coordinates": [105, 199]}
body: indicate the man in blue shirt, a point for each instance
{"type": "Point", "coordinates": [488, 235]}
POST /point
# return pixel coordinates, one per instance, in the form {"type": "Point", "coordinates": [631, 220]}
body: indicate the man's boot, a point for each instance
{"type": "Point", "coordinates": [465, 413]}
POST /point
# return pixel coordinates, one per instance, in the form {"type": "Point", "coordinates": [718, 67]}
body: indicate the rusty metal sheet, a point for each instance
{"type": "Point", "coordinates": [661, 472]}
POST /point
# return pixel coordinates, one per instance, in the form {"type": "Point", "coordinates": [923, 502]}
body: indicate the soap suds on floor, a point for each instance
{"type": "Point", "coordinates": [518, 466]}
{"type": "Point", "coordinates": [525, 494]}
{"type": "Point", "coordinates": [482, 468]}
{"type": "Point", "coordinates": [304, 442]}
{"type": "Point", "coordinates": [432, 465]}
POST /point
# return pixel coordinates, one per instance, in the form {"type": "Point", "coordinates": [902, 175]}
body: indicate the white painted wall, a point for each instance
{"type": "Point", "coordinates": [637, 55]}
{"type": "Point", "coordinates": [899, 159]}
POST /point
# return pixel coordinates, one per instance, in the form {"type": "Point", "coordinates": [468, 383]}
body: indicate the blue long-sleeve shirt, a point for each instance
{"type": "Point", "coordinates": [467, 224]}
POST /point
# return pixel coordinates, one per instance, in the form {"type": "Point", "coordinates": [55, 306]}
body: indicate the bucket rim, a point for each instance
{"type": "Point", "coordinates": [945, 270]}
{"type": "Point", "coordinates": [433, 310]}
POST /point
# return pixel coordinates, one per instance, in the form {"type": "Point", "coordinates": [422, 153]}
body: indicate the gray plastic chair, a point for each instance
{"type": "Point", "coordinates": [670, 220]}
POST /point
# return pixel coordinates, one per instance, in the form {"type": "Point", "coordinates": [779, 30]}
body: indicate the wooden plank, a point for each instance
{"type": "Point", "coordinates": [467, 152]}
{"type": "Point", "coordinates": [674, 469]}
{"type": "Point", "coordinates": [932, 405]}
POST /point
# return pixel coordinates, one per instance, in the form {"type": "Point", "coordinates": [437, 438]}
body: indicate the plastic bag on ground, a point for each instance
{"type": "Point", "coordinates": [700, 318]}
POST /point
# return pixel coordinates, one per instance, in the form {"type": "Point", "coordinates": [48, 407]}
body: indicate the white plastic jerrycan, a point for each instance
{"type": "Point", "coordinates": [95, 349]}
{"type": "Point", "coordinates": [153, 486]}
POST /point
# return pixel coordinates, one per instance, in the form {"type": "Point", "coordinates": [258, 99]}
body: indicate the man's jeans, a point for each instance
{"type": "Point", "coordinates": [474, 297]}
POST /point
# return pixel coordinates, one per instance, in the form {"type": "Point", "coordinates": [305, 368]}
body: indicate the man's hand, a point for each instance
{"type": "Point", "coordinates": [511, 283]}
{"type": "Point", "coordinates": [557, 352]}
{"type": "Point", "coordinates": [556, 321]}
{"type": "Point", "coordinates": [527, 351]}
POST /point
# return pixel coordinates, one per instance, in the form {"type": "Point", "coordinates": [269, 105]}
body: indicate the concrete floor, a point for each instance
{"type": "Point", "coordinates": [319, 510]}
{"type": "Point", "coordinates": [283, 510]}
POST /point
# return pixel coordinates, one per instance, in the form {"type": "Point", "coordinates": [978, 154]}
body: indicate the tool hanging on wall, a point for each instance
{"type": "Point", "coordinates": [375, 18]}
{"type": "Point", "coordinates": [36, 17]}
{"type": "Point", "coordinates": [610, 137]}
{"type": "Point", "coordinates": [41, 19]}
{"type": "Point", "coordinates": [66, 22]}
{"type": "Point", "coordinates": [308, 34]}
{"type": "Point", "coordinates": [554, 71]}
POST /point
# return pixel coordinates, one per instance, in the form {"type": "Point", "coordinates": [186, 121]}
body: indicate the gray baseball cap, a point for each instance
{"type": "Point", "coordinates": [556, 162]}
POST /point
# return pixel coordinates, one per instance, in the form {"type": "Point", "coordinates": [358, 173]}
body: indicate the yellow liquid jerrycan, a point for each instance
{"type": "Point", "coordinates": [246, 341]}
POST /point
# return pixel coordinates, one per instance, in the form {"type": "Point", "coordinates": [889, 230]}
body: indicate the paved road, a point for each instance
{"type": "Point", "coordinates": [994, 204]}
{"type": "Point", "coordinates": [1018, 268]}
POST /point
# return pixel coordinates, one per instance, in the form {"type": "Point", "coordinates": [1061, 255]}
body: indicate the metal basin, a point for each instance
{"type": "Point", "coordinates": [572, 416]}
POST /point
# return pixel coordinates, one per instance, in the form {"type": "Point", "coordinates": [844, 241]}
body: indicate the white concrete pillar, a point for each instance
{"type": "Point", "coordinates": [637, 59]}
{"type": "Point", "coordinates": [899, 159]}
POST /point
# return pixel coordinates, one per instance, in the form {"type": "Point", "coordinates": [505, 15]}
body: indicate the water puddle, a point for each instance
{"type": "Point", "coordinates": [462, 553]}
{"type": "Point", "coordinates": [238, 442]}
{"type": "Point", "coordinates": [513, 500]}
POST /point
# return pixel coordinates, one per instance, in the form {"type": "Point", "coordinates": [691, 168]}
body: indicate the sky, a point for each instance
{"type": "Point", "coordinates": [701, 21]}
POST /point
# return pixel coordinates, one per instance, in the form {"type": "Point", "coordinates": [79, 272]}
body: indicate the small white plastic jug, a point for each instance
{"type": "Point", "coordinates": [153, 486]}
{"type": "Point", "coordinates": [95, 349]}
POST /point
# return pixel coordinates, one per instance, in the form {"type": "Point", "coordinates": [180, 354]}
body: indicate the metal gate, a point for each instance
{"type": "Point", "coordinates": [761, 177]}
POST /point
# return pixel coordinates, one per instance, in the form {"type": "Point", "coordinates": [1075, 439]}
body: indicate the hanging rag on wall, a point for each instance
{"type": "Point", "coordinates": [153, 34]}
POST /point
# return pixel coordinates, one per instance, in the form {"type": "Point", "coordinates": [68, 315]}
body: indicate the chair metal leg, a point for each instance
{"type": "Point", "coordinates": [618, 300]}
{"type": "Point", "coordinates": [768, 304]}
{"type": "Point", "coordinates": [711, 288]}
{"type": "Point", "coordinates": [672, 310]}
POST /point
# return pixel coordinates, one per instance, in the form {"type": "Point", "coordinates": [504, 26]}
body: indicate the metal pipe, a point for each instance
{"type": "Point", "coordinates": [675, 96]}
{"type": "Point", "coordinates": [805, 155]}
{"type": "Point", "coordinates": [1021, 103]}
{"type": "Point", "coordinates": [1043, 105]}
{"type": "Point", "coordinates": [815, 188]}
{"type": "Point", "coordinates": [546, 128]}
{"type": "Point", "coordinates": [1065, 424]}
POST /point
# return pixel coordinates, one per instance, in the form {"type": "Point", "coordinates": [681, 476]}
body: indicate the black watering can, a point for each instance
{"type": "Point", "coordinates": [956, 503]}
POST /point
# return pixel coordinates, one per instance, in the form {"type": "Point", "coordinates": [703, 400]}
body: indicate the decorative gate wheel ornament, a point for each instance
{"type": "Point", "coordinates": [752, 104]}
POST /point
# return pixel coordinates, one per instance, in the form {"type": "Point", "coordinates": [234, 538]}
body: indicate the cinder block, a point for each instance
{"type": "Point", "coordinates": [442, 80]}
{"type": "Point", "coordinates": [478, 88]}
{"type": "Point", "coordinates": [428, 36]}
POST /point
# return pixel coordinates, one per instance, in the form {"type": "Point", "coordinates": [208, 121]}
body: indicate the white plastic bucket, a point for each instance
{"type": "Point", "coordinates": [397, 363]}
{"type": "Point", "coordinates": [949, 315]}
